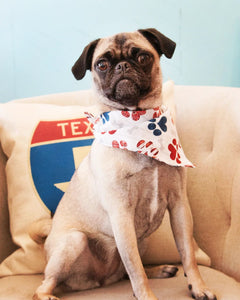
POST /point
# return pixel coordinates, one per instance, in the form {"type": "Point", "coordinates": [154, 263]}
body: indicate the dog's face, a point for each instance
{"type": "Point", "coordinates": [125, 67]}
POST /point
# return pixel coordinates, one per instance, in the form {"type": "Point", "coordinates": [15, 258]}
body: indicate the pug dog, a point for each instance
{"type": "Point", "coordinates": [116, 197]}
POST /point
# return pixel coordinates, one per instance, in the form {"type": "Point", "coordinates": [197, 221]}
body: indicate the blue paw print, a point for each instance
{"type": "Point", "coordinates": [105, 117]}
{"type": "Point", "coordinates": [161, 124]}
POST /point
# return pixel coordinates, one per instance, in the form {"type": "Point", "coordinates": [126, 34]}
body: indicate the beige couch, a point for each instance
{"type": "Point", "coordinates": [208, 121]}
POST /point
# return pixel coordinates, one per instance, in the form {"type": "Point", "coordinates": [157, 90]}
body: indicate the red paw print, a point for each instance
{"type": "Point", "coordinates": [112, 131]}
{"type": "Point", "coordinates": [126, 113]}
{"type": "Point", "coordinates": [173, 148]}
{"type": "Point", "coordinates": [157, 112]}
{"type": "Point", "coordinates": [147, 148]}
{"type": "Point", "coordinates": [121, 144]}
{"type": "Point", "coordinates": [136, 115]}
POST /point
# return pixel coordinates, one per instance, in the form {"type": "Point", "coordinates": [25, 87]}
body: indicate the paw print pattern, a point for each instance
{"type": "Point", "coordinates": [110, 132]}
{"type": "Point", "coordinates": [173, 148]}
{"type": "Point", "coordinates": [122, 144]}
{"type": "Point", "coordinates": [158, 127]}
{"type": "Point", "coordinates": [157, 112]}
{"type": "Point", "coordinates": [136, 115]}
{"type": "Point", "coordinates": [147, 148]}
{"type": "Point", "coordinates": [105, 117]}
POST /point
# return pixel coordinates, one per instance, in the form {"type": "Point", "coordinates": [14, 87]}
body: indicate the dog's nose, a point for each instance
{"type": "Point", "coordinates": [123, 66]}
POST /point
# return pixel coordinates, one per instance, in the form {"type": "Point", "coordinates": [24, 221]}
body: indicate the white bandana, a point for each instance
{"type": "Point", "coordinates": [151, 132]}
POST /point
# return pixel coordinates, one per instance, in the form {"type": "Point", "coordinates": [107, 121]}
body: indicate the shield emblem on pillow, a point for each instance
{"type": "Point", "coordinates": [56, 150]}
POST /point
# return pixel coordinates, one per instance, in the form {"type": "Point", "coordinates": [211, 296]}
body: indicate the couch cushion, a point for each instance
{"type": "Point", "coordinates": [226, 288]}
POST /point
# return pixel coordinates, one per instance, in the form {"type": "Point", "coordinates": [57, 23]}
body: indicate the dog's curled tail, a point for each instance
{"type": "Point", "coordinates": [39, 230]}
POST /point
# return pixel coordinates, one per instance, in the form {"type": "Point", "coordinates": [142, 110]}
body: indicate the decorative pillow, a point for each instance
{"type": "Point", "coordinates": [44, 144]}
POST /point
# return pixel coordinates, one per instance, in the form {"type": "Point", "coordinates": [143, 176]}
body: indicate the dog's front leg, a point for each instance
{"type": "Point", "coordinates": [182, 226]}
{"type": "Point", "coordinates": [125, 236]}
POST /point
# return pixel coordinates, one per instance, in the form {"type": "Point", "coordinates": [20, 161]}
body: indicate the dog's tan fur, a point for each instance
{"type": "Point", "coordinates": [114, 201]}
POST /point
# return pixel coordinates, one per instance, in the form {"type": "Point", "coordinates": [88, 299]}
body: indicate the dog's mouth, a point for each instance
{"type": "Point", "coordinates": [127, 92]}
{"type": "Point", "coordinates": [126, 89]}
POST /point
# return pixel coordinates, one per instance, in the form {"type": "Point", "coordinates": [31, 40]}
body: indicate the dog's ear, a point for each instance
{"type": "Point", "coordinates": [85, 60]}
{"type": "Point", "coordinates": [160, 42]}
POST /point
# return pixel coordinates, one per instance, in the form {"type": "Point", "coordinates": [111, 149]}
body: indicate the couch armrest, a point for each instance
{"type": "Point", "coordinates": [6, 244]}
{"type": "Point", "coordinates": [209, 129]}
{"type": "Point", "coordinates": [231, 250]}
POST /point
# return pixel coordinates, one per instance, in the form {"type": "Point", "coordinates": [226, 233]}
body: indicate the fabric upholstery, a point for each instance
{"type": "Point", "coordinates": [226, 288]}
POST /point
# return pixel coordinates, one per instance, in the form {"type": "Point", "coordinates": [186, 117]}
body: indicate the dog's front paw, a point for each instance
{"type": "Point", "coordinates": [41, 296]}
{"type": "Point", "coordinates": [201, 293]}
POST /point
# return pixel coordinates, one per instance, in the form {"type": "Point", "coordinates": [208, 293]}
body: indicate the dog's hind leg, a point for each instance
{"type": "Point", "coordinates": [65, 252]}
{"type": "Point", "coordinates": [159, 271]}
{"type": "Point", "coordinates": [165, 271]}
{"type": "Point", "coordinates": [44, 291]}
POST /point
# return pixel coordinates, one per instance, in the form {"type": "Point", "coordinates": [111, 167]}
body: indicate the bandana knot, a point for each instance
{"type": "Point", "coordinates": [151, 132]}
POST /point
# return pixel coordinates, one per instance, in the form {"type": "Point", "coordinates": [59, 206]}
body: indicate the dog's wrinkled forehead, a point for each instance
{"type": "Point", "coordinates": [121, 44]}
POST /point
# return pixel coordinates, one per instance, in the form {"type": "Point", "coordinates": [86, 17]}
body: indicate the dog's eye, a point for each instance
{"type": "Point", "coordinates": [143, 58]}
{"type": "Point", "coordinates": [102, 65]}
